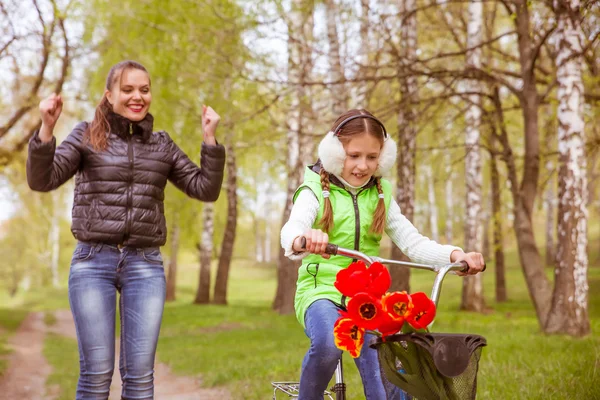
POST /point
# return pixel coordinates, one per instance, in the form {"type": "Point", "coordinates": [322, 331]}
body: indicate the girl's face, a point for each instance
{"type": "Point", "coordinates": [362, 159]}
{"type": "Point", "coordinates": [132, 97]}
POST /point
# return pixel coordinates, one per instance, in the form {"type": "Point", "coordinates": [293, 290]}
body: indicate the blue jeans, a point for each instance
{"type": "Point", "coordinates": [321, 359]}
{"type": "Point", "coordinates": [98, 271]}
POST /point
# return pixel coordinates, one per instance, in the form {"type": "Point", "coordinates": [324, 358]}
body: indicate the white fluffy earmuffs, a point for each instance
{"type": "Point", "coordinates": [332, 155]}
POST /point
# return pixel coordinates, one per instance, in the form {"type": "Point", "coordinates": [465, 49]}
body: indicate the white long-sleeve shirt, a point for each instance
{"type": "Point", "coordinates": [417, 247]}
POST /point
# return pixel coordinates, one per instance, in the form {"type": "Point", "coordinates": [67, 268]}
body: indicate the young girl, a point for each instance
{"type": "Point", "coordinates": [121, 168]}
{"type": "Point", "coordinates": [344, 200]}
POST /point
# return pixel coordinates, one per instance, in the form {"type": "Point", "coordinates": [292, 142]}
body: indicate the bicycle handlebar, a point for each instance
{"type": "Point", "coordinates": [441, 272]}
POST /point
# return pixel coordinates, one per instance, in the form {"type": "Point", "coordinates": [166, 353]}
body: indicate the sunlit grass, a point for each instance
{"type": "Point", "coordinates": [61, 353]}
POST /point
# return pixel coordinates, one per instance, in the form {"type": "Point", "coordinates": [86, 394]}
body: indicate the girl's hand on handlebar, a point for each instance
{"type": "Point", "coordinates": [474, 260]}
{"type": "Point", "coordinates": [316, 242]}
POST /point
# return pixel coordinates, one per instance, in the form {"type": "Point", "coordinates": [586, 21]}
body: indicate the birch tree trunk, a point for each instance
{"type": "Point", "coordinates": [549, 198]}
{"type": "Point", "coordinates": [268, 234]}
{"type": "Point", "coordinates": [407, 133]}
{"type": "Point", "coordinates": [55, 237]}
{"type": "Point", "coordinates": [362, 86]}
{"type": "Point", "coordinates": [205, 249]}
{"type": "Point", "coordinates": [258, 241]}
{"type": "Point", "coordinates": [569, 310]}
{"type": "Point", "coordinates": [433, 211]}
{"type": "Point", "coordinates": [338, 89]}
{"type": "Point", "coordinates": [172, 273]}
{"type": "Point", "coordinates": [300, 25]}
{"type": "Point", "coordinates": [472, 295]}
{"type": "Point", "coordinates": [258, 234]}
{"type": "Point", "coordinates": [485, 220]}
{"type": "Point", "coordinates": [449, 195]}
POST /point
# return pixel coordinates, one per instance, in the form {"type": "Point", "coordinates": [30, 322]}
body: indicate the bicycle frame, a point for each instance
{"type": "Point", "coordinates": [339, 388]}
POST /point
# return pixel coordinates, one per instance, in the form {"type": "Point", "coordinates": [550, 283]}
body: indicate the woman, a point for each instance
{"type": "Point", "coordinates": [121, 169]}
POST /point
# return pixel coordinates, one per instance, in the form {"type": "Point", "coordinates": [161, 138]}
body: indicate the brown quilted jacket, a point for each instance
{"type": "Point", "coordinates": [119, 192]}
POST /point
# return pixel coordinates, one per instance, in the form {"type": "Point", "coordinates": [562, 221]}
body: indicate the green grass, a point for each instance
{"type": "Point", "coordinates": [518, 363]}
{"type": "Point", "coordinates": [245, 346]}
{"type": "Point", "coordinates": [61, 353]}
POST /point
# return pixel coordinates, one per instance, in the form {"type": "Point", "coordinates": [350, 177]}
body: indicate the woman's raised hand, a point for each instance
{"type": "Point", "coordinates": [50, 109]}
{"type": "Point", "coordinates": [210, 121]}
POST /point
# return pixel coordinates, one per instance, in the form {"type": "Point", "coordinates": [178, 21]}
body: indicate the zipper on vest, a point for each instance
{"type": "Point", "coordinates": [356, 223]}
{"type": "Point", "coordinates": [356, 218]}
{"type": "Point", "coordinates": [129, 189]}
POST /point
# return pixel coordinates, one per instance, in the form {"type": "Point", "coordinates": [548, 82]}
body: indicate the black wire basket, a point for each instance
{"type": "Point", "coordinates": [432, 366]}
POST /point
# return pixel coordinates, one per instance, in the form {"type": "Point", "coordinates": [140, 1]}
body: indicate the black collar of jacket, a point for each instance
{"type": "Point", "coordinates": [119, 125]}
{"type": "Point", "coordinates": [316, 168]}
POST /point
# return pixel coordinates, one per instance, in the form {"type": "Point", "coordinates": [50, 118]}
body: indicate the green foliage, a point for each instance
{"type": "Point", "coordinates": [194, 52]}
{"type": "Point", "coordinates": [26, 245]}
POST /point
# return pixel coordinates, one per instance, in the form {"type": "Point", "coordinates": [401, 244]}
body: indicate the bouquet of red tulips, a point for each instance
{"type": "Point", "coordinates": [372, 308]}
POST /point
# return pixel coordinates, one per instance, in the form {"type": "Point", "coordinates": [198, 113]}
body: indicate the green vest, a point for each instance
{"type": "Point", "coordinates": [352, 218]}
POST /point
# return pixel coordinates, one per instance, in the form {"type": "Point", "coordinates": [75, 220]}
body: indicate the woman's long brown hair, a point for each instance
{"type": "Point", "coordinates": [350, 129]}
{"type": "Point", "coordinates": [97, 132]}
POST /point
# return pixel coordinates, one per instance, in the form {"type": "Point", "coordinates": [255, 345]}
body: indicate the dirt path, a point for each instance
{"type": "Point", "coordinates": [27, 371]}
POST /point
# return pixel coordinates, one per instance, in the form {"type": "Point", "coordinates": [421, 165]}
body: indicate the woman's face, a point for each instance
{"type": "Point", "coordinates": [362, 159]}
{"type": "Point", "coordinates": [131, 97]}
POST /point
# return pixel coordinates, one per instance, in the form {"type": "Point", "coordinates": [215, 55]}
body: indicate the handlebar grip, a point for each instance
{"type": "Point", "coordinates": [466, 267]}
{"type": "Point", "coordinates": [330, 249]}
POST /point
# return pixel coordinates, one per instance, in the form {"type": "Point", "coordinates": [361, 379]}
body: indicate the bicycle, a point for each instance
{"type": "Point", "coordinates": [436, 344]}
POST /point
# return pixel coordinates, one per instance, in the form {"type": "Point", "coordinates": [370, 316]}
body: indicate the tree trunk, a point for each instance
{"type": "Point", "coordinates": [338, 90]}
{"type": "Point", "coordinates": [267, 242]}
{"type": "Point", "coordinates": [449, 203]}
{"type": "Point", "coordinates": [220, 292]}
{"type": "Point", "coordinates": [258, 240]}
{"type": "Point", "coordinates": [299, 67]}
{"type": "Point", "coordinates": [569, 310]}
{"type": "Point", "coordinates": [55, 238]}
{"type": "Point", "coordinates": [362, 87]}
{"type": "Point", "coordinates": [205, 249]}
{"type": "Point", "coordinates": [172, 273]}
{"type": "Point", "coordinates": [472, 295]}
{"type": "Point", "coordinates": [407, 133]}
{"type": "Point", "coordinates": [537, 283]}
{"type": "Point", "coordinates": [485, 246]}
{"type": "Point", "coordinates": [497, 224]}
{"type": "Point", "coordinates": [433, 211]}
{"type": "Point", "coordinates": [524, 194]}
{"type": "Point", "coordinates": [549, 208]}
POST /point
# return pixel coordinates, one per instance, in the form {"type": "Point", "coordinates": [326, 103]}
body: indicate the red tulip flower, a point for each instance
{"type": "Point", "coordinates": [423, 312]}
{"type": "Point", "coordinates": [357, 278]}
{"type": "Point", "coordinates": [398, 304]}
{"type": "Point", "coordinates": [348, 336]}
{"type": "Point", "coordinates": [365, 310]}
{"type": "Point", "coordinates": [389, 325]}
